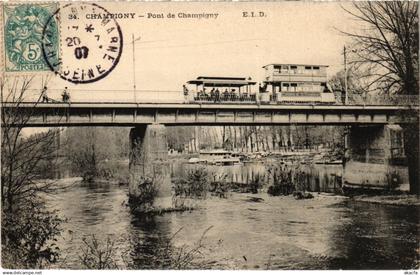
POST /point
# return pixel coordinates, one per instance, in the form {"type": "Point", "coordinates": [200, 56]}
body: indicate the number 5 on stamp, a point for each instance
{"type": "Point", "coordinates": [23, 27]}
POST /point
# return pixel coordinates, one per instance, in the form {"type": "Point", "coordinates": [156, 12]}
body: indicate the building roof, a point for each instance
{"type": "Point", "coordinates": [215, 151]}
{"type": "Point", "coordinates": [220, 77]}
{"type": "Point", "coordinates": [212, 81]}
{"type": "Point", "coordinates": [299, 64]}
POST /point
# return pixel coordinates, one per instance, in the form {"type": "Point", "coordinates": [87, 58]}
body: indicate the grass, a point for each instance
{"type": "Point", "coordinates": [103, 254]}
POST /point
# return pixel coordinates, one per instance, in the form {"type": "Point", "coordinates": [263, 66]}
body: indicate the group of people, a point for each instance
{"type": "Point", "coordinates": [65, 96]}
{"type": "Point", "coordinates": [216, 95]}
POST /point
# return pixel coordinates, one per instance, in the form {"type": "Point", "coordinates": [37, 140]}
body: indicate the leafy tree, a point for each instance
{"type": "Point", "coordinates": [90, 149]}
{"type": "Point", "coordinates": [357, 83]}
{"type": "Point", "coordinates": [178, 136]}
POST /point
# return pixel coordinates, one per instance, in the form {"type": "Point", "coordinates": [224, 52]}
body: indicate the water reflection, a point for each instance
{"type": "Point", "coordinates": [150, 243]}
{"type": "Point", "coordinates": [319, 178]}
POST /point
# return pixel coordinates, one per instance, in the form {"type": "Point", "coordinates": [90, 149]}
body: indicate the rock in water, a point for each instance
{"type": "Point", "coordinates": [254, 199]}
{"type": "Point", "coordinates": [299, 195]}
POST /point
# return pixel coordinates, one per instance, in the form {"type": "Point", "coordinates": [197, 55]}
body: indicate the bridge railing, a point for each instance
{"type": "Point", "coordinates": [391, 100]}
{"type": "Point", "coordinates": [149, 96]}
{"type": "Point", "coordinates": [226, 98]}
{"type": "Point", "coordinates": [108, 96]}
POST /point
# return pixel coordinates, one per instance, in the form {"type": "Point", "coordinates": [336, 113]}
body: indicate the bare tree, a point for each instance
{"type": "Point", "coordinates": [22, 157]}
{"type": "Point", "coordinates": [387, 45]}
{"type": "Point", "coordinates": [23, 181]}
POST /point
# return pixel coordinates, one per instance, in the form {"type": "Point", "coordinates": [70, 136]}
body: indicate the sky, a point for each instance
{"type": "Point", "coordinates": [170, 52]}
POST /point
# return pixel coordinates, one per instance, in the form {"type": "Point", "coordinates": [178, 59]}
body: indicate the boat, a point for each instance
{"type": "Point", "coordinates": [329, 162]}
{"type": "Point", "coordinates": [227, 161]}
{"type": "Point", "coordinates": [219, 157]}
{"type": "Point", "coordinates": [334, 162]}
{"type": "Point", "coordinates": [195, 160]}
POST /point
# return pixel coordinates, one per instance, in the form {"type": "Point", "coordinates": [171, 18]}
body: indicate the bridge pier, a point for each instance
{"type": "Point", "coordinates": [374, 158]}
{"type": "Point", "coordinates": [149, 182]}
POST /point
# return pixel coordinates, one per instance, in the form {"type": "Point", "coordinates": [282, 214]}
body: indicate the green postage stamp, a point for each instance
{"type": "Point", "coordinates": [23, 27]}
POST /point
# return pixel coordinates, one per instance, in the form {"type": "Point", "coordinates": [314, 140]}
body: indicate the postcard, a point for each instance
{"type": "Point", "coordinates": [209, 135]}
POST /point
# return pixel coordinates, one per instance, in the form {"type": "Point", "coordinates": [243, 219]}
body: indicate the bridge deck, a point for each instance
{"type": "Point", "coordinates": [129, 114]}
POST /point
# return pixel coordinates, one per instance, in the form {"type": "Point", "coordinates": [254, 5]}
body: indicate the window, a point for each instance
{"type": "Point", "coordinates": [293, 69]}
{"type": "Point", "coordinates": [300, 70]}
{"type": "Point", "coordinates": [285, 69]}
{"type": "Point", "coordinates": [316, 87]}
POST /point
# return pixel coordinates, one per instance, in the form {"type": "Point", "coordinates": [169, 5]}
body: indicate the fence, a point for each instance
{"type": "Point", "coordinates": [391, 100]}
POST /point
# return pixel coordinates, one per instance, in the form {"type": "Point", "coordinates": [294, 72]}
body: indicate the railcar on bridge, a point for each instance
{"type": "Point", "coordinates": [220, 89]}
{"type": "Point", "coordinates": [284, 83]}
{"type": "Point", "coordinates": [300, 83]}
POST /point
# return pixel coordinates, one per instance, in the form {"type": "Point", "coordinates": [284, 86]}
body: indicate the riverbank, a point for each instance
{"type": "Point", "coordinates": [401, 200]}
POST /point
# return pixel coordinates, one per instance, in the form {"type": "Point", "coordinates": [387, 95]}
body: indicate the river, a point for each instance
{"type": "Point", "coordinates": [245, 231]}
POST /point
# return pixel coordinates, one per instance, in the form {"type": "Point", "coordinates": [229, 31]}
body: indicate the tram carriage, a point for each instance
{"type": "Point", "coordinates": [296, 83]}
{"type": "Point", "coordinates": [283, 83]}
{"type": "Point", "coordinates": [221, 89]}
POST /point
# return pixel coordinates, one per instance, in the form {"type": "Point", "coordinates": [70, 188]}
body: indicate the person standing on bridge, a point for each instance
{"type": "Point", "coordinates": [217, 96]}
{"type": "Point", "coordinates": [65, 95]}
{"type": "Point", "coordinates": [212, 95]}
{"type": "Point", "coordinates": [185, 90]}
{"type": "Point", "coordinates": [44, 95]}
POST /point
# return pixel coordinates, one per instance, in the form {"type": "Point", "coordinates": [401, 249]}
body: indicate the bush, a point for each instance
{"type": "Point", "coordinates": [146, 194]}
{"type": "Point", "coordinates": [28, 238]}
{"type": "Point", "coordinates": [219, 186]}
{"type": "Point", "coordinates": [168, 256]}
{"type": "Point", "coordinates": [256, 183]}
{"type": "Point", "coordinates": [282, 181]}
{"type": "Point", "coordinates": [195, 184]}
{"type": "Point", "coordinates": [96, 255]}
{"type": "Point", "coordinates": [287, 180]}
{"type": "Point", "coordinates": [113, 171]}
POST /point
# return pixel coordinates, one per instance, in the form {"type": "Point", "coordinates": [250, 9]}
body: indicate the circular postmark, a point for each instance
{"type": "Point", "coordinates": [91, 43]}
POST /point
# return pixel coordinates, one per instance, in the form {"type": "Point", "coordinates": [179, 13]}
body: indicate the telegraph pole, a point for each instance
{"type": "Point", "coordinates": [346, 98]}
{"type": "Point", "coordinates": [134, 69]}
